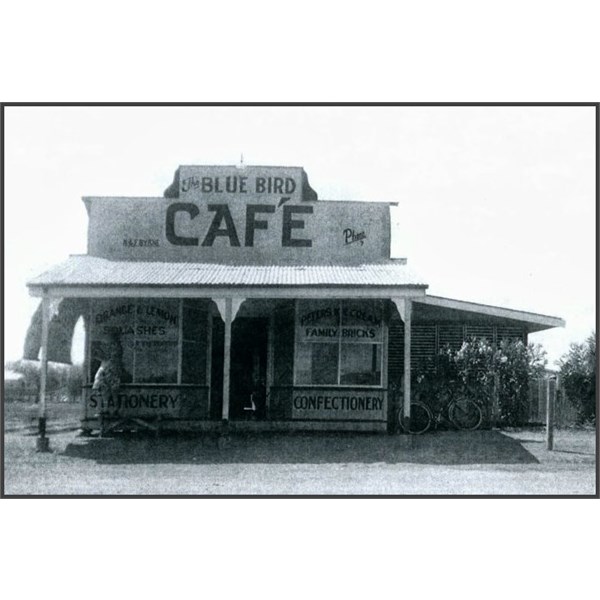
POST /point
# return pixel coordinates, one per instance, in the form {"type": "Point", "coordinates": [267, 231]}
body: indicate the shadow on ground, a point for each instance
{"type": "Point", "coordinates": [578, 443]}
{"type": "Point", "coordinates": [439, 448]}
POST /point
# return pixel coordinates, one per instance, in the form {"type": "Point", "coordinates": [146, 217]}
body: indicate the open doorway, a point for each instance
{"type": "Point", "coordinates": [248, 368]}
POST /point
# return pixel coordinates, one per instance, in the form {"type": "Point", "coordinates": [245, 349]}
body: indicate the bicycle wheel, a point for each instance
{"type": "Point", "coordinates": [465, 414]}
{"type": "Point", "coordinates": [420, 419]}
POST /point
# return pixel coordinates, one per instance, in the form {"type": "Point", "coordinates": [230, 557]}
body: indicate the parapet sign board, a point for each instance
{"type": "Point", "coordinates": [255, 215]}
{"type": "Point", "coordinates": [213, 183]}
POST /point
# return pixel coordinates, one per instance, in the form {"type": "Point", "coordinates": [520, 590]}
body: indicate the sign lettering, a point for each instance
{"type": "Point", "coordinates": [255, 215]}
{"type": "Point", "coordinates": [313, 404]}
{"type": "Point", "coordinates": [238, 184]}
{"type": "Point", "coordinates": [223, 224]}
{"type": "Point", "coordinates": [148, 402]}
{"type": "Point", "coordinates": [351, 237]}
{"type": "Point", "coordinates": [329, 323]}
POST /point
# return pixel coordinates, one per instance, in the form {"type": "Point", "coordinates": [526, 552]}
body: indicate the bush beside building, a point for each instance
{"type": "Point", "coordinates": [578, 376]}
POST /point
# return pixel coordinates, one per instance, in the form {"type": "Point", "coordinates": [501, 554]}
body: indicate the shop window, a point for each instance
{"type": "Point", "coordinates": [339, 343]}
{"type": "Point", "coordinates": [148, 336]}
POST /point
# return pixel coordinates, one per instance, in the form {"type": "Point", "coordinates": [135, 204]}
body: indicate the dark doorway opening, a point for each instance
{"type": "Point", "coordinates": [248, 368]}
{"type": "Point", "coordinates": [216, 380]}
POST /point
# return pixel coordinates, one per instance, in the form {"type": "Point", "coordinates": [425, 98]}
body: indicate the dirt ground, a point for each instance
{"type": "Point", "coordinates": [473, 463]}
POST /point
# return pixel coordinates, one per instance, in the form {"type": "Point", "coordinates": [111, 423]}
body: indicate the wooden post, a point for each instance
{"type": "Point", "coordinates": [87, 368]}
{"type": "Point", "coordinates": [404, 306]}
{"type": "Point", "coordinates": [228, 309]}
{"type": "Point", "coordinates": [227, 359]}
{"type": "Point", "coordinates": [550, 401]}
{"type": "Point", "coordinates": [42, 443]}
{"type": "Point", "coordinates": [209, 329]}
{"type": "Point", "coordinates": [407, 343]}
{"type": "Point", "coordinates": [495, 401]}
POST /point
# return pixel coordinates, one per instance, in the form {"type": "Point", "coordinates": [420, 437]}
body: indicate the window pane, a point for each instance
{"type": "Point", "coordinates": [361, 364]}
{"type": "Point", "coordinates": [156, 364]}
{"type": "Point", "coordinates": [361, 321]}
{"type": "Point", "coordinates": [156, 345]}
{"type": "Point", "coordinates": [317, 364]}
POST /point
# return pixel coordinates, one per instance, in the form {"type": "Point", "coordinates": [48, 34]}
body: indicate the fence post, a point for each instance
{"type": "Point", "coordinates": [550, 401]}
{"type": "Point", "coordinates": [495, 401]}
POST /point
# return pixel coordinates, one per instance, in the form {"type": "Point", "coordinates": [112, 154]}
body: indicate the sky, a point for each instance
{"type": "Point", "coordinates": [495, 204]}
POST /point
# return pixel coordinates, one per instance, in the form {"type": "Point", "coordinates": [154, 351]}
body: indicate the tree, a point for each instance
{"type": "Point", "coordinates": [578, 376]}
{"type": "Point", "coordinates": [64, 379]}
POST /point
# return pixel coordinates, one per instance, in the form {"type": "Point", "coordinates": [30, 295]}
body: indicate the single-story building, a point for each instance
{"type": "Point", "coordinates": [239, 296]}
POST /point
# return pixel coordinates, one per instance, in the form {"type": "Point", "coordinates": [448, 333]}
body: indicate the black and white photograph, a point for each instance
{"type": "Point", "coordinates": [300, 300]}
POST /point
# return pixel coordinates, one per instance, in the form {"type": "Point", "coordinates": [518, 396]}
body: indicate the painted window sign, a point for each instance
{"type": "Point", "coordinates": [352, 321]}
{"type": "Point", "coordinates": [148, 333]}
{"type": "Point", "coordinates": [339, 343]}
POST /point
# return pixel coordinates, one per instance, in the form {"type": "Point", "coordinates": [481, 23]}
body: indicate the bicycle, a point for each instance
{"type": "Point", "coordinates": [458, 411]}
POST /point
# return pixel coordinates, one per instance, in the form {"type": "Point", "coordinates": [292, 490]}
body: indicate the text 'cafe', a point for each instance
{"type": "Point", "coordinates": [240, 296]}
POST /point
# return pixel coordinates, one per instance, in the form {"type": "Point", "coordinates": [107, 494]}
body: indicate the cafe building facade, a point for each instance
{"type": "Point", "coordinates": [240, 297]}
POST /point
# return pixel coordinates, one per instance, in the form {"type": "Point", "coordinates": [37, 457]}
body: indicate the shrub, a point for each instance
{"type": "Point", "coordinates": [578, 376]}
{"type": "Point", "coordinates": [478, 370]}
{"type": "Point", "coordinates": [475, 368]}
{"type": "Point", "coordinates": [516, 364]}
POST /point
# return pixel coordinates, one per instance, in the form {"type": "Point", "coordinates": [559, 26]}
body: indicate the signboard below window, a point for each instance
{"type": "Point", "coordinates": [149, 402]}
{"type": "Point", "coordinates": [338, 405]}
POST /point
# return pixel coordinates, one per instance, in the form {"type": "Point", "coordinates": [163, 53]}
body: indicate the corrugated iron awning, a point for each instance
{"type": "Point", "coordinates": [85, 270]}
{"type": "Point", "coordinates": [435, 308]}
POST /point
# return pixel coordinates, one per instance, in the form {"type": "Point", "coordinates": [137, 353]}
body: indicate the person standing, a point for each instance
{"type": "Point", "coordinates": [109, 375]}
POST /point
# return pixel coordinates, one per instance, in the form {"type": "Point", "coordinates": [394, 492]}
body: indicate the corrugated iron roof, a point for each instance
{"type": "Point", "coordinates": [94, 271]}
{"type": "Point", "coordinates": [445, 306]}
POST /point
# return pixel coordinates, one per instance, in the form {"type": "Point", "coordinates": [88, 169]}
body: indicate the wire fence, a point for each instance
{"type": "Point", "coordinates": [32, 396]}
{"type": "Point", "coordinates": [565, 413]}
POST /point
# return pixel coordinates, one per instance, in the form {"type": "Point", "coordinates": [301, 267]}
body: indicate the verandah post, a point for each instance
{"type": "Point", "coordinates": [227, 359]}
{"type": "Point", "coordinates": [550, 401]}
{"type": "Point", "coordinates": [42, 443]}
{"type": "Point", "coordinates": [407, 358]}
{"type": "Point", "coordinates": [404, 306]}
{"type": "Point", "coordinates": [228, 309]}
